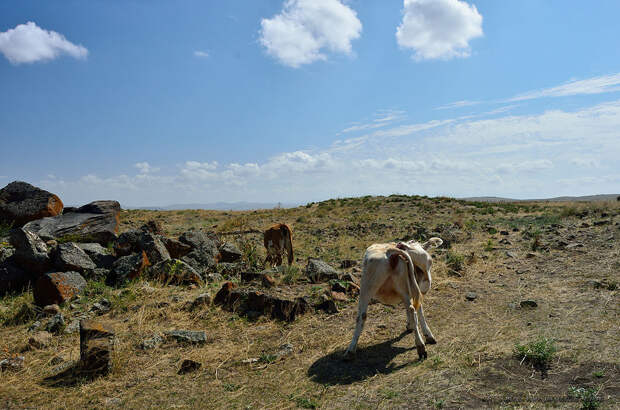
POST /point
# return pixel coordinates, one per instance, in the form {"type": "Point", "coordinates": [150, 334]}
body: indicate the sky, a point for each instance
{"type": "Point", "coordinates": [154, 102]}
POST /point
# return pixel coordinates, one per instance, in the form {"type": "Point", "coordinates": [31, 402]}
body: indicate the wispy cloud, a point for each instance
{"type": "Point", "coordinates": [382, 119]}
{"type": "Point", "coordinates": [145, 167]}
{"type": "Point", "coordinates": [201, 54]}
{"type": "Point", "coordinates": [29, 43]}
{"type": "Point", "coordinates": [458, 104]}
{"type": "Point", "coordinates": [594, 85]}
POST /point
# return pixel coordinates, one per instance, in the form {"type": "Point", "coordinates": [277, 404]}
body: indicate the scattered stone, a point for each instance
{"type": "Point", "coordinates": [176, 272]}
{"type": "Point", "coordinates": [531, 255]}
{"type": "Point", "coordinates": [176, 249]}
{"type": "Point", "coordinates": [505, 233]}
{"type": "Point", "coordinates": [101, 307]}
{"type": "Point", "coordinates": [319, 271]}
{"type": "Point", "coordinates": [56, 324]}
{"type": "Point", "coordinates": [284, 350]}
{"type": "Point", "coordinates": [73, 326]}
{"type": "Point", "coordinates": [69, 256]}
{"type": "Point", "coordinates": [40, 340]}
{"type": "Point", "coordinates": [505, 241]}
{"type": "Point", "coordinates": [130, 267]}
{"type": "Point", "coordinates": [152, 342]}
{"type": "Point", "coordinates": [204, 299]}
{"type": "Point", "coordinates": [573, 245]}
{"type": "Point", "coordinates": [528, 303]}
{"type": "Point", "coordinates": [31, 253]}
{"type": "Point", "coordinates": [57, 287]}
{"type": "Point", "coordinates": [35, 326]}
{"type": "Point", "coordinates": [595, 284]}
{"type": "Point", "coordinates": [188, 336]}
{"type": "Point", "coordinates": [348, 277]}
{"type": "Point", "coordinates": [189, 366]}
{"type": "Point", "coordinates": [230, 253]}
{"type": "Point", "coordinates": [522, 271]}
{"type": "Point", "coordinates": [511, 254]}
{"type": "Point", "coordinates": [100, 256]}
{"type": "Point", "coordinates": [492, 280]}
{"type": "Point", "coordinates": [21, 202]}
{"type": "Point", "coordinates": [327, 304]}
{"type": "Point", "coordinates": [471, 296]}
{"type": "Point", "coordinates": [112, 402]}
{"type": "Point", "coordinates": [602, 222]}
{"type": "Point", "coordinates": [51, 310]}
{"type": "Point", "coordinates": [338, 286]}
{"type": "Point", "coordinates": [96, 344]}
{"type": "Point", "coordinates": [13, 364]}
{"type": "Point", "coordinates": [585, 225]}
{"type": "Point", "coordinates": [347, 263]}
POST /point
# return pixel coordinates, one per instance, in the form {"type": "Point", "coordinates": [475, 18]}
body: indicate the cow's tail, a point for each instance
{"type": "Point", "coordinates": [412, 283]}
{"type": "Point", "coordinates": [432, 243]}
{"type": "Point", "coordinates": [288, 242]}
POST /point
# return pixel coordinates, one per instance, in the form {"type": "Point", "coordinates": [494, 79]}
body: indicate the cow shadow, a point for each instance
{"type": "Point", "coordinates": [368, 361]}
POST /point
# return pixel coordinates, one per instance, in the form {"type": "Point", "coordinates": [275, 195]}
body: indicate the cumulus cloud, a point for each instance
{"type": "Point", "coordinates": [145, 167]}
{"type": "Point", "coordinates": [438, 29]}
{"type": "Point", "coordinates": [201, 54]}
{"type": "Point", "coordinates": [28, 43]}
{"type": "Point", "coordinates": [304, 29]}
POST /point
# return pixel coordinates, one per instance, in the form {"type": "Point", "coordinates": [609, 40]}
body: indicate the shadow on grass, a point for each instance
{"type": "Point", "coordinates": [71, 374]}
{"type": "Point", "coordinates": [368, 361]}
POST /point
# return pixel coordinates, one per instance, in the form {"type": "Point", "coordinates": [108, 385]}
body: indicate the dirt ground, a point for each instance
{"type": "Point", "coordinates": [565, 257]}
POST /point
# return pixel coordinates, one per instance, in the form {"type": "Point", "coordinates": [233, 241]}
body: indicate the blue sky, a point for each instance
{"type": "Point", "coordinates": [160, 102]}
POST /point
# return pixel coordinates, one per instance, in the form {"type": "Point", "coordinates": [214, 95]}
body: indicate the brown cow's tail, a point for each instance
{"type": "Point", "coordinates": [412, 283]}
{"type": "Point", "coordinates": [288, 242]}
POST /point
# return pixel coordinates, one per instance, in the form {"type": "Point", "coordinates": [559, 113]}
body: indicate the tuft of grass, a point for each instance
{"type": "Point", "coordinates": [539, 352]}
{"type": "Point", "coordinates": [305, 403]}
{"type": "Point", "coordinates": [489, 246]}
{"type": "Point", "coordinates": [588, 397]}
{"type": "Point", "coordinates": [455, 261]}
{"type": "Point", "coordinates": [291, 274]}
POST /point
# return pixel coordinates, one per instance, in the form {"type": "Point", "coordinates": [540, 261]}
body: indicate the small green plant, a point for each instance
{"type": "Point", "coordinates": [436, 361]}
{"type": "Point", "coordinates": [26, 313]}
{"type": "Point", "coordinates": [268, 358]}
{"type": "Point", "coordinates": [305, 403]}
{"type": "Point", "coordinates": [389, 394]}
{"type": "Point", "coordinates": [230, 387]}
{"type": "Point", "coordinates": [290, 274]}
{"type": "Point", "coordinates": [598, 374]}
{"type": "Point", "coordinates": [439, 403]}
{"type": "Point", "coordinates": [539, 352]}
{"type": "Point", "coordinates": [489, 246]}
{"type": "Point", "coordinates": [455, 261]}
{"type": "Point", "coordinates": [588, 398]}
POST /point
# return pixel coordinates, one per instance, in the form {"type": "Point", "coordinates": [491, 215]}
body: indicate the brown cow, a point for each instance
{"type": "Point", "coordinates": [276, 240]}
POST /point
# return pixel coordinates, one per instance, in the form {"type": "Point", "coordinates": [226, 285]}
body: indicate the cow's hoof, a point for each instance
{"type": "Point", "coordinates": [422, 352]}
{"type": "Point", "coordinates": [430, 340]}
{"type": "Point", "coordinates": [348, 356]}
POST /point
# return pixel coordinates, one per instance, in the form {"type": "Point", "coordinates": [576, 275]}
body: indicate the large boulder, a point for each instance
{"type": "Point", "coordinates": [102, 208]}
{"type": "Point", "coordinates": [319, 271]}
{"type": "Point", "coordinates": [70, 257]}
{"type": "Point", "coordinates": [98, 254]}
{"type": "Point", "coordinates": [129, 267]}
{"type": "Point", "coordinates": [175, 272]}
{"type": "Point", "coordinates": [142, 240]}
{"type": "Point", "coordinates": [176, 249]}
{"type": "Point", "coordinates": [204, 255]}
{"type": "Point", "coordinates": [21, 203]}
{"type": "Point", "coordinates": [31, 253]}
{"type": "Point", "coordinates": [96, 344]}
{"type": "Point", "coordinates": [57, 287]}
{"type": "Point", "coordinates": [230, 253]}
{"type": "Point", "coordinates": [77, 227]}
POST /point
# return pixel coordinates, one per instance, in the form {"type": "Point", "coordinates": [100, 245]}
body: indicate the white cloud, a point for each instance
{"type": "Point", "coordinates": [438, 29]}
{"type": "Point", "coordinates": [145, 167]}
{"type": "Point", "coordinates": [304, 29]}
{"type": "Point", "coordinates": [201, 54]}
{"type": "Point", "coordinates": [594, 85]}
{"type": "Point", "coordinates": [458, 104]}
{"type": "Point", "coordinates": [382, 119]}
{"type": "Point", "coordinates": [28, 43]}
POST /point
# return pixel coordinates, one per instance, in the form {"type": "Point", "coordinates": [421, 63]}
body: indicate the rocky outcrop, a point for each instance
{"type": "Point", "coordinates": [141, 240]}
{"type": "Point", "coordinates": [31, 253]}
{"type": "Point", "coordinates": [204, 255]}
{"type": "Point", "coordinates": [57, 287]}
{"type": "Point", "coordinates": [21, 203]}
{"type": "Point", "coordinates": [129, 267]}
{"type": "Point", "coordinates": [175, 272]}
{"type": "Point", "coordinates": [98, 254]}
{"type": "Point", "coordinates": [319, 271]}
{"type": "Point", "coordinates": [229, 253]}
{"type": "Point", "coordinates": [176, 249]}
{"type": "Point", "coordinates": [70, 257]}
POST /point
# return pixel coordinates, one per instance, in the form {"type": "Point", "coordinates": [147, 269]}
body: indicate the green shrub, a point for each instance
{"type": "Point", "coordinates": [539, 353]}
{"type": "Point", "coordinates": [588, 398]}
{"type": "Point", "coordinates": [455, 261]}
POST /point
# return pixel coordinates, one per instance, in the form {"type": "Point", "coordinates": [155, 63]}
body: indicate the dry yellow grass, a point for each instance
{"type": "Point", "coordinates": [472, 366]}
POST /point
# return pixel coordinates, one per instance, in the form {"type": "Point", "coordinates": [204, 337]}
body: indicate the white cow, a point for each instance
{"type": "Point", "coordinates": [393, 273]}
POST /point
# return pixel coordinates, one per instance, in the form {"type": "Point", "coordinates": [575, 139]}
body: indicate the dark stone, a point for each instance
{"type": "Point", "coordinates": [78, 227]}
{"type": "Point", "coordinates": [154, 227]}
{"type": "Point", "coordinates": [21, 203]}
{"type": "Point", "coordinates": [12, 278]}
{"type": "Point", "coordinates": [69, 209]}
{"type": "Point", "coordinates": [223, 296]}
{"type": "Point", "coordinates": [602, 222]}
{"type": "Point", "coordinates": [337, 286]}
{"type": "Point", "coordinates": [204, 255]}
{"type": "Point", "coordinates": [96, 344]}
{"type": "Point", "coordinates": [31, 253]}
{"type": "Point", "coordinates": [176, 272]}
{"type": "Point", "coordinates": [56, 324]}
{"type": "Point", "coordinates": [98, 254]}
{"type": "Point", "coordinates": [154, 248]}
{"type": "Point", "coordinates": [176, 249]}
{"type": "Point", "coordinates": [347, 263]}
{"type": "Point", "coordinates": [69, 256]}
{"type": "Point", "coordinates": [319, 271]}
{"type": "Point", "coordinates": [13, 364]}
{"type": "Point", "coordinates": [528, 303]}
{"type": "Point", "coordinates": [268, 281]}
{"type": "Point", "coordinates": [101, 208]}
{"type": "Point", "coordinates": [128, 242]}
{"type": "Point", "coordinates": [130, 267]}
{"type": "Point", "coordinates": [101, 307]}
{"type": "Point", "coordinates": [57, 287]}
{"type": "Point", "coordinates": [204, 299]}
{"type": "Point", "coordinates": [229, 253]}
{"type": "Point", "coordinates": [471, 296]}
{"type": "Point", "coordinates": [6, 253]}
{"type": "Point", "coordinates": [189, 366]}
{"type": "Point", "coordinates": [188, 336]}
{"type": "Point", "coordinates": [328, 305]}
{"type": "Point", "coordinates": [200, 239]}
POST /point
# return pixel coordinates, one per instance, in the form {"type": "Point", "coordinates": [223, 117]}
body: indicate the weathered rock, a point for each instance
{"type": "Point", "coordinates": [351, 278]}
{"type": "Point", "coordinates": [13, 364]}
{"type": "Point", "coordinates": [200, 239]}
{"type": "Point", "coordinates": [154, 248]}
{"type": "Point", "coordinates": [222, 297]}
{"type": "Point", "coordinates": [73, 326]}
{"type": "Point", "coordinates": [204, 299]}
{"type": "Point", "coordinates": [204, 255]}
{"type": "Point", "coordinates": [471, 296]}
{"type": "Point", "coordinates": [69, 256]}
{"type": "Point", "coordinates": [101, 307]}
{"type": "Point", "coordinates": [78, 227]}
{"type": "Point", "coordinates": [101, 207]}
{"type": "Point", "coordinates": [69, 209]}
{"type": "Point", "coordinates": [96, 344]}
{"type": "Point", "coordinates": [36, 325]}
{"type": "Point", "coordinates": [100, 256]}
{"type": "Point", "coordinates": [153, 227]}
{"type": "Point", "coordinates": [284, 350]}
{"type": "Point", "coordinates": [528, 303]}
{"type": "Point", "coordinates": [176, 272]}
{"type": "Point", "coordinates": [347, 263]}
{"type": "Point", "coordinates": [152, 342]}
{"type": "Point", "coordinates": [327, 304]}
{"type": "Point", "coordinates": [13, 278]}
{"type": "Point", "coordinates": [57, 287]}
{"type": "Point", "coordinates": [130, 267]}
{"type": "Point", "coordinates": [189, 366]}
{"type": "Point", "coordinates": [230, 253]}
{"type": "Point", "coordinates": [128, 242]}
{"type": "Point", "coordinates": [319, 271]}
{"type": "Point", "coordinates": [40, 340]}
{"type": "Point", "coordinates": [187, 336]}
{"type": "Point", "coordinates": [6, 253]}
{"type": "Point", "coordinates": [21, 203]}
{"type": "Point", "coordinates": [56, 324]}
{"type": "Point", "coordinates": [51, 310]}
{"type": "Point", "coordinates": [176, 249]}
{"type": "Point", "coordinates": [31, 253]}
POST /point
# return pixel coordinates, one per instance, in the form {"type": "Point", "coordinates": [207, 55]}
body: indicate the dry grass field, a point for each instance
{"type": "Point", "coordinates": [563, 256]}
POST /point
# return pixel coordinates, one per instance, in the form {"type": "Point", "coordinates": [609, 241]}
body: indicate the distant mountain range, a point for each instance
{"type": "Point", "coordinates": [218, 206]}
{"type": "Point", "coordinates": [587, 198]}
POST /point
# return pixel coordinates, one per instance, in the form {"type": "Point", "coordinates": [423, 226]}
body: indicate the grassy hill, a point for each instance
{"type": "Point", "coordinates": [563, 256]}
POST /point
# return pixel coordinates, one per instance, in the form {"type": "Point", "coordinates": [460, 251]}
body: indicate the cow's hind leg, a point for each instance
{"type": "Point", "coordinates": [362, 311]}
{"type": "Point", "coordinates": [426, 331]}
{"type": "Point", "coordinates": [412, 325]}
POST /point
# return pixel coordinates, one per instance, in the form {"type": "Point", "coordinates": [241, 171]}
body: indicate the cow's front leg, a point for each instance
{"type": "Point", "coordinates": [412, 325]}
{"type": "Point", "coordinates": [426, 331]}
